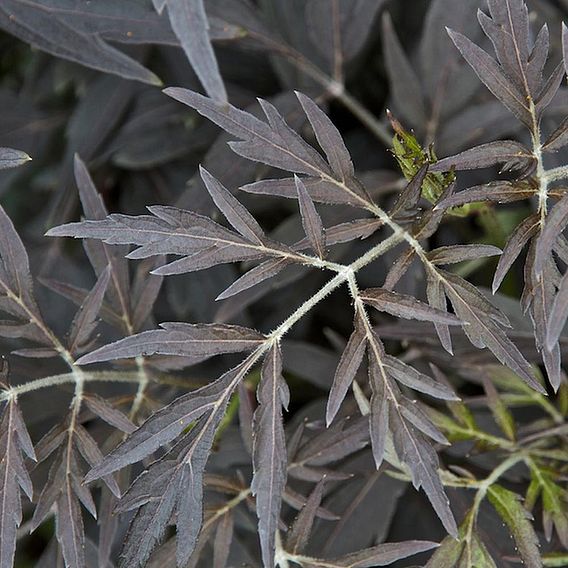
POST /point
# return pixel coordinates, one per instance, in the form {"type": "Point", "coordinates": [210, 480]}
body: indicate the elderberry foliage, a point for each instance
{"type": "Point", "coordinates": [315, 316]}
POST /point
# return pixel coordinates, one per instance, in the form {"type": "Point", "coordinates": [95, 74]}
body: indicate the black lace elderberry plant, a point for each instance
{"type": "Point", "coordinates": [392, 408]}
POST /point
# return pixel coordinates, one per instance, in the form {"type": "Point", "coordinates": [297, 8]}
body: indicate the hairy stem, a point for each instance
{"type": "Point", "coordinates": [343, 276]}
{"type": "Point", "coordinates": [92, 376]}
{"type": "Point", "coordinates": [541, 173]}
{"type": "Point", "coordinates": [555, 174]}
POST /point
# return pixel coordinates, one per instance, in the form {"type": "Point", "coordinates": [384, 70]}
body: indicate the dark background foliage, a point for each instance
{"type": "Point", "coordinates": [81, 93]}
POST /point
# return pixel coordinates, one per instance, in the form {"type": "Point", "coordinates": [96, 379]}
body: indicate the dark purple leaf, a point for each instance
{"type": "Point", "coordinates": [481, 327]}
{"type": "Point", "coordinates": [407, 307]}
{"type": "Point", "coordinates": [555, 223]}
{"type": "Point", "coordinates": [380, 555]}
{"type": "Point", "coordinates": [254, 276]}
{"type": "Point", "coordinates": [437, 299]}
{"type": "Point", "coordinates": [405, 85]}
{"type": "Point", "coordinates": [301, 529]}
{"type": "Point", "coordinates": [558, 139]}
{"type": "Point", "coordinates": [416, 380]}
{"type": "Point", "coordinates": [422, 461]}
{"type": "Point", "coordinates": [489, 72]}
{"type": "Point", "coordinates": [40, 25]}
{"type": "Point", "coordinates": [189, 22]}
{"type": "Point", "coordinates": [524, 231]}
{"type": "Point", "coordinates": [85, 320]}
{"type": "Point", "coordinates": [104, 410]}
{"type": "Point", "coordinates": [409, 197]}
{"type": "Point", "coordinates": [319, 190]}
{"type": "Point", "coordinates": [311, 220]}
{"type": "Point", "coordinates": [349, 363]}
{"type": "Point", "coordinates": [169, 422]}
{"type": "Point", "coordinates": [236, 214]}
{"type": "Point", "coordinates": [339, 32]}
{"type": "Point", "coordinates": [558, 314]}
{"type": "Point", "coordinates": [269, 451]}
{"type": "Point", "coordinates": [497, 192]}
{"type": "Point", "coordinates": [399, 268]}
{"type": "Point", "coordinates": [383, 395]}
{"type": "Point", "coordinates": [514, 155]}
{"type": "Point", "coordinates": [459, 253]}
{"type": "Point", "coordinates": [14, 476]}
{"type": "Point", "coordinates": [198, 341]}
{"type": "Point", "coordinates": [328, 138]}
{"type": "Point", "coordinates": [100, 255]}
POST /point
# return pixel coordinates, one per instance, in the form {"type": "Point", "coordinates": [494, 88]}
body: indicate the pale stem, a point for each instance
{"type": "Point", "coordinates": [555, 174]}
{"type": "Point", "coordinates": [541, 173]}
{"type": "Point", "coordinates": [143, 381]}
{"type": "Point", "coordinates": [343, 276]}
{"type": "Point", "coordinates": [68, 378]}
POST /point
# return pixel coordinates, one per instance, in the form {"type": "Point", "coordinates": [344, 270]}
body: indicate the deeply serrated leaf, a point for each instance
{"type": "Point", "coordinates": [254, 276]}
{"type": "Point", "coordinates": [269, 452]}
{"type": "Point", "coordinates": [403, 306]}
{"type": "Point", "coordinates": [13, 477]}
{"type": "Point", "coordinates": [198, 341]}
{"type": "Point", "coordinates": [328, 138]}
{"type": "Point", "coordinates": [437, 299]}
{"type": "Point", "coordinates": [492, 77]}
{"type": "Point", "coordinates": [474, 310]}
{"type": "Point", "coordinates": [496, 192]}
{"type": "Point", "coordinates": [85, 322]}
{"type": "Point", "coordinates": [15, 276]}
{"type": "Point", "coordinates": [508, 506]}
{"type": "Point", "coordinates": [190, 24]}
{"type": "Point", "coordinates": [556, 221]}
{"type": "Point", "coordinates": [319, 189]}
{"type": "Point", "coordinates": [164, 426]}
{"type": "Point", "coordinates": [524, 231]}
{"type": "Point", "coordinates": [100, 255]}
{"type": "Point", "coordinates": [41, 26]}
{"type": "Point", "coordinates": [404, 83]}
{"type": "Point", "coordinates": [416, 380]}
{"type": "Point", "coordinates": [558, 314]}
{"type": "Point", "coordinates": [513, 154]}
{"type": "Point", "coordinates": [380, 555]}
{"type": "Point", "coordinates": [382, 397]}
{"type": "Point", "coordinates": [422, 461]}
{"type": "Point", "coordinates": [235, 213]}
{"type": "Point", "coordinates": [107, 412]}
{"type": "Point", "coordinates": [558, 138]}
{"type": "Point", "coordinates": [345, 232]}
{"type": "Point", "coordinates": [409, 197]}
{"type": "Point", "coordinates": [311, 219]}
{"type": "Point", "coordinates": [459, 253]}
{"type": "Point", "coordinates": [349, 363]}
{"type": "Point", "coordinates": [301, 529]}
{"type": "Point", "coordinates": [419, 420]}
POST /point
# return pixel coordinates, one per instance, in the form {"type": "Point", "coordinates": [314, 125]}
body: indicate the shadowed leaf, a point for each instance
{"type": "Point", "coordinates": [269, 451]}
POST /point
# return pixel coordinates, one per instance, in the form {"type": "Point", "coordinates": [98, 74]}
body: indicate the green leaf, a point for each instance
{"type": "Point", "coordinates": [501, 413]}
{"type": "Point", "coordinates": [462, 553]}
{"type": "Point", "coordinates": [554, 502]}
{"type": "Point", "coordinates": [517, 518]}
{"type": "Point", "coordinates": [555, 560]}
